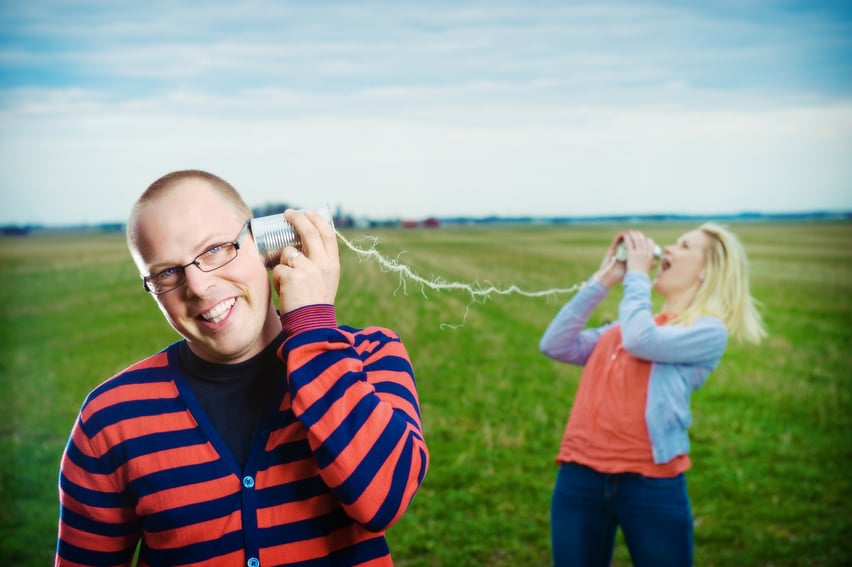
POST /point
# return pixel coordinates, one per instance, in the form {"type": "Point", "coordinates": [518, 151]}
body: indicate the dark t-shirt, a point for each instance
{"type": "Point", "coordinates": [235, 397]}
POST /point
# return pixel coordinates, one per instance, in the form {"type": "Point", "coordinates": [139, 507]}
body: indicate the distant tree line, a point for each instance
{"type": "Point", "coordinates": [345, 220]}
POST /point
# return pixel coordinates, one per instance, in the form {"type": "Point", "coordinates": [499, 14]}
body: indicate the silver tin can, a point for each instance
{"type": "Point", "coordinates": [273, 233]}
{"type": "Point", "coordinates": [621, 252]}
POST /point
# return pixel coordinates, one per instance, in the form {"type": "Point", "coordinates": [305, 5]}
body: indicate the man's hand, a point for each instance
{"type": "Point", "coordinates": [309, 276]}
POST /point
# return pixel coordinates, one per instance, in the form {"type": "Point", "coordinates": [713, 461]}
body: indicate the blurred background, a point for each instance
{"type": "Point", "coordinates": [655, 113]}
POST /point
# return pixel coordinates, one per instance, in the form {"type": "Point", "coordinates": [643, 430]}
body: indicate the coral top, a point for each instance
{"type": "Point", "coordinates": [607, 430]}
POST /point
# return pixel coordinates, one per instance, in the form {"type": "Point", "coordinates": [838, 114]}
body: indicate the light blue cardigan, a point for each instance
{"type": "Point", "coordinates": [681, 356]}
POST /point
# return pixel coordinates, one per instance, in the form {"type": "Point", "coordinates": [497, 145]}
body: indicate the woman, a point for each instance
{"type": "Point", "coordinates": [625, 448]}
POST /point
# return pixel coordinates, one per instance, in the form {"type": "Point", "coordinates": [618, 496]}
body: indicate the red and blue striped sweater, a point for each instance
{"type": "Point", "coordinates": [333, 468]}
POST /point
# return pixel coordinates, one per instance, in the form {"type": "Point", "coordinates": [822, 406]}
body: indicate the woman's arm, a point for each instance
{"type": "Point", "coordinates": [703, 342]}
{"type": "Point", "coordinates": [565, 339]}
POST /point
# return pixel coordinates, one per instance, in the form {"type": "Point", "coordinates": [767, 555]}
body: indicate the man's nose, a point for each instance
{"type": "Point", "coordinates": [197, 281]}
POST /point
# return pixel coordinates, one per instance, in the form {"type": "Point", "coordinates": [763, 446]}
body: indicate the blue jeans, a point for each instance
{"type": "Point", "coordinates": [587, 507]}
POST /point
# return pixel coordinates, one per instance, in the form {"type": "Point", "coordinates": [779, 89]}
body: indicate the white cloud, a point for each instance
{"type": "Point", "coordinates": [581, 161]}
{"type": "Point", "coordinates": [393, 109]}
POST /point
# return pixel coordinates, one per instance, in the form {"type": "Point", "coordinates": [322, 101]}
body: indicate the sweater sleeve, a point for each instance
{"type": "Point", "coordinates": [565, 339]}
{"type": "Point", "coordinates": [354, 391]}
{"type": "Point", "coordinates": [701, 343]}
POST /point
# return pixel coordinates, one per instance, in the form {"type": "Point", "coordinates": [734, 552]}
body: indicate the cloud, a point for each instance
{"type": "Point", "coordinates": [403, 109]}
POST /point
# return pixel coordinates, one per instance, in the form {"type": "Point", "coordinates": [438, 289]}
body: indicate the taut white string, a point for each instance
{"type": "Point", "coordinates": [476, 291]}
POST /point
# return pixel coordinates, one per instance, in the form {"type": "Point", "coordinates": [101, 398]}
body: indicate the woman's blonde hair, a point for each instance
{"type": "Point", "coordinates": [725, 291]}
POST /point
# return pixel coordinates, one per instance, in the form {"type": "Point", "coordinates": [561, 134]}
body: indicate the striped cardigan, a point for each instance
{"type": "Point", "coordinates": [337, 464]}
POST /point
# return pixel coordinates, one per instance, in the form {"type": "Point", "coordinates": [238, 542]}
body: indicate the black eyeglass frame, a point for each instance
{"type": "Point", "coordinates": [235, 243]}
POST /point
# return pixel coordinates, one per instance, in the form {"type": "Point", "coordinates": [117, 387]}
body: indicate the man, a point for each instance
{"type": "Point", "coordinates": [263, 437]}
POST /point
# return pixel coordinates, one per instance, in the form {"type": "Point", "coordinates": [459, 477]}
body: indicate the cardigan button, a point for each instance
{"type": "Point", "coordinates": [248, 482]}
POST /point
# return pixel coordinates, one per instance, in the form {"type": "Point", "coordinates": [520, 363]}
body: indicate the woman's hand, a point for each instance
{"type": "Point", "coordinates": [640, 256]}
{"type": "Point", "coordinates": [640, 252]}
{"type": "Point", "coordinates": [611, 271]}
{"type": "Point", "coordinates": [310, 276]}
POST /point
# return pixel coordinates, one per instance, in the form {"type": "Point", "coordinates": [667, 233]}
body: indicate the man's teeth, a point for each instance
{"type": "Point", "coordinates": [218, 313]}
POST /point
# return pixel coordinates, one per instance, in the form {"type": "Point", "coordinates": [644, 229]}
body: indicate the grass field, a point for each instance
{"type": "Point", "coordinates": [770, 483]}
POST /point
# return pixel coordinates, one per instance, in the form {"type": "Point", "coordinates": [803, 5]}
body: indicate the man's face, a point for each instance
{"type": "Point", "coordinates": [226, 314]}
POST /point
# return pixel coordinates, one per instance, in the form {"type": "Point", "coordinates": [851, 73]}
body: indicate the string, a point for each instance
{"type": "Point", "coordinates": [476, 291]}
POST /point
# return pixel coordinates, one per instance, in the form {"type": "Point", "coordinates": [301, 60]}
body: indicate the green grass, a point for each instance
{"type": "Point", "coordinates": [771, 443]}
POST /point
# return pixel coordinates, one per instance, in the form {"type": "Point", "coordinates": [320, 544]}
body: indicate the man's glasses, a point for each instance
{"type": "Point", "coordinates": [211, 259]}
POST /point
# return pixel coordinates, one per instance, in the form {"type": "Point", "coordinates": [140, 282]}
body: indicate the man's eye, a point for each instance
{"type": "Point", "coordinates": [165, 274]}
{"type": "Point", "coordinates": [218, 250]}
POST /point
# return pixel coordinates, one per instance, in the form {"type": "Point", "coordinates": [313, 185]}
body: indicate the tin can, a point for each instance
{"type": "Point", "coordinates": [273, 233]}
{"type": "Point", "coordinates": [621, 252]}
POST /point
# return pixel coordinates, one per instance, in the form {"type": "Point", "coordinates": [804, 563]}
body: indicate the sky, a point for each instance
{"type": "Point", "coordinates": [401, 109]}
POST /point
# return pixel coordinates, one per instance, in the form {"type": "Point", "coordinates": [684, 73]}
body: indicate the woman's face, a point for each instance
{"type": "Point", "coordinates": [682, 265]}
